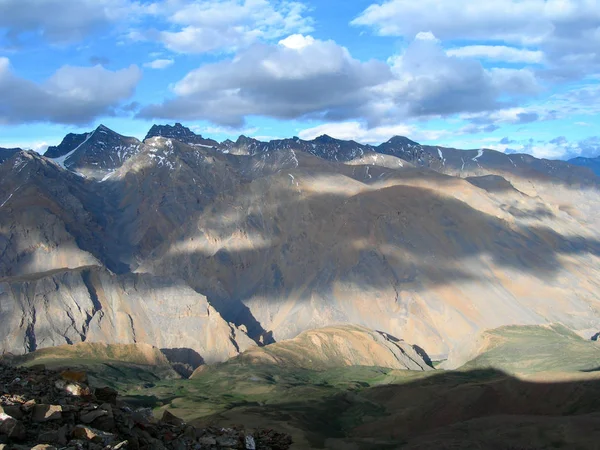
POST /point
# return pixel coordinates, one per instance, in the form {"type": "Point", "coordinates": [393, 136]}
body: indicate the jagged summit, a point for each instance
{"type": "Point", "coordinates": [324, 138]}
{"type": "Point", "coordinates": [69, 143]}
{"type": "Point", "coordinates": [244, 140]}
{"type": "Point", "coordinates": [94, 154]}
{"type": "Point", "coordinates": [181, 133]}
{"type": "Point", "coordinates": [6, 153]}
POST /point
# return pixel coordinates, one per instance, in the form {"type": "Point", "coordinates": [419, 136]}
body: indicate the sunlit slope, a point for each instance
{"type": "Point", "coordinates": [529, 350]}
{"type": "Point", "coordinates": [426, 257]}
{"type": "Point", "coordinates": [339, 346]}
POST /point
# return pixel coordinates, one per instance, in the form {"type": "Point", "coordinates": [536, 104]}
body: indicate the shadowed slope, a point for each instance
{"type": "Point", "coordinates": [282, 242]}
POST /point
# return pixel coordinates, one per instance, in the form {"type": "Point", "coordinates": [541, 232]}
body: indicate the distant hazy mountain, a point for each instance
{"type": "Point", "coordinates": [591, 163]}
{"type": "Point", "coordinates": [264, 240]}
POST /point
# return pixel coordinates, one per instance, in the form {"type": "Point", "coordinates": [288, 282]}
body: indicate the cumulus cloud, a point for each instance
{"type": "Point", "coordinates": [159, 63]}
{"type": "Point", "coordinates": [36, 146]}
{"type": "Point", "coordinates": [63, 21]}
{"type": "Point", "coordinates": [298, 77]}
{"type": "Point", "coordinates": [72, 95]}
{"type": "Point", "coordinates": [429, 82]}
{"type": "Point", "coordinates": [524, 21]}
{"type": "Point", "coordinates": [217, 25]}
{"type": "Point", "coordinates": [580, 100]}
{"type": "Point", "coordinates": [557, 148]}
{"type": "Point", "coordinates": [304, 77]}
{"type": "Point", "coordinates": [565, 31]}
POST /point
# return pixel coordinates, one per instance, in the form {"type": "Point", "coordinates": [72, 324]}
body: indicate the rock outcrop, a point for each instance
{"type": "Point", "coordinates": [181, 133]}
{"type": "Point", "coordinates": [93, 305]}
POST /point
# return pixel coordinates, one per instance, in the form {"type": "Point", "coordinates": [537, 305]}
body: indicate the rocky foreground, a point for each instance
{"type": "Point", "coordinates": [43, 409]}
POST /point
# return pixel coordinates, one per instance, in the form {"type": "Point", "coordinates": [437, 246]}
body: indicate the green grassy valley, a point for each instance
{"type": "Point", "coordinates": [525, 382]}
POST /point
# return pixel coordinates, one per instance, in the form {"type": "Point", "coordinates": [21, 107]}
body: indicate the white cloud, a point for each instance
{"type": "Point", "coordinates": [37, 146]}
{"type": "Point", "coordinates": [72, 95]}
{"type": "Point", "coordinates": [316, 78]}
{"type": "Point", "coordinates": [524, 21]}
{"type": "Point", "coordinates": [498, 53]}
{"type": "Point", "coordinates": [567, 32]}
{"type": "Point", "coordinates": [583, 100]}
{"type": "Point", "coordinates": [217, 25]}
{"type": "Point", "coordinates": [159, 63]}
{"type": "Point", "coordinates": [428, 82]}
{"type": "Point", "coordinates": [426, 36]}
{"type": "Point", "coordinates": [557, 148]}
{"type": "Point", "coordinates": [65, 21]}
{"type": "Point", "coordinates": [297, 41]}
{"type": "Point", "coordinates": [303, 77]}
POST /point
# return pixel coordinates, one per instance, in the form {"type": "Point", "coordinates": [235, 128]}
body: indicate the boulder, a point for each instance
{"type": "Point", "coordinates": [86, 433]}
{"type": "Point", "coordinates": [107, 395]}
{"type": "Point", "coordinates": [171, 419]}
{"type": "Point", "coordinates": [11, 427]}
{"type": "Point", "coordinates": [45, 413]}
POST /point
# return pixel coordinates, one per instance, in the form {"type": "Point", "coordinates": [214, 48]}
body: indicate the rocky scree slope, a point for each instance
{"type": "Point", "coordinates": [46, 410]}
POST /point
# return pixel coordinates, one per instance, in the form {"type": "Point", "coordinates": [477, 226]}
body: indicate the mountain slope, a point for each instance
{"type": "Point", "coordinates": [591, 163]}
{"type": "Point", "coordinates": [93, 305]}
{"type": "Point", "coordinates": [283, 240]}
{"type": "Point", "coordinates": [421, 255]}
{"type": "Point", "coordinates": [50, 218]}
{"type": "Point", "coordinates": [340, 346]}
{"type": "Point", "coordinates": [536, 350]}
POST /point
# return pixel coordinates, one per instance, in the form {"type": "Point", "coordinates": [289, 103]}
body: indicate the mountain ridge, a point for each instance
{"type": "Point", "coordinates": [591, 163]}
{"type": "Point", "coordinates": [96, 163]}
{"type": "Point", "coordinates": [283, 240]}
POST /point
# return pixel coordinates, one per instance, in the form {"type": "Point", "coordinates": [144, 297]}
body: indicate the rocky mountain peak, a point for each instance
{"type": "Point", "coordinates": [94, 154]}
{"type": "Point", "coordinates": [176, 131]}
{"type": "Point", "coordinates": [105, 129]}
{"type": "Point", "coordinates": [402, 141]}
{"type": "Point", "coordinates": [68, 144]}
{"type": "Point", "coordinates": [180, 133]}
{"type": "Point", "coordinates": [325, 139]}
{"type": "Point", "coordinates": [245, 140]}
{"type": "Point", "coordinates": [6, 153]}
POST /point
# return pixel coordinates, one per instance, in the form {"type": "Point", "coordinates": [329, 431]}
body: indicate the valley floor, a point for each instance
{"type": "Point", "coordinates": [529, 388]}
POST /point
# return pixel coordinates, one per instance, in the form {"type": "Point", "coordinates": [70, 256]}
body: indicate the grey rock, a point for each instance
{"type": "Point", "coordinates": [45, 413]}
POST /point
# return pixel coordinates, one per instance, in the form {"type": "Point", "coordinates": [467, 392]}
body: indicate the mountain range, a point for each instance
{"type": "Point", "coordinates": [206, 249]}
{"type": "Point", "coordinates": [591, 163]}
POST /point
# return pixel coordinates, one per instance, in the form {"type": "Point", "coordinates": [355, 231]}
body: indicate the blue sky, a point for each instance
{"type": "Point", "coordinates": [512, 75]}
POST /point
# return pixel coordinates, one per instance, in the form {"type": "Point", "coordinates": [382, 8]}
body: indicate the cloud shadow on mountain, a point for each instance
{"type": "Point", "coordinates": [403, 236]}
